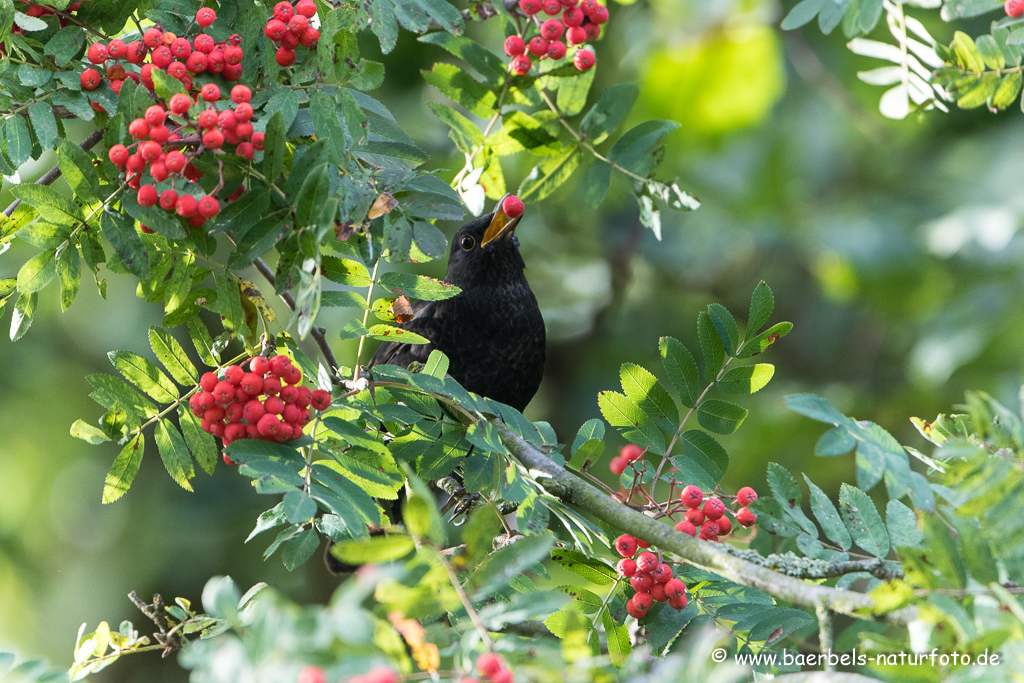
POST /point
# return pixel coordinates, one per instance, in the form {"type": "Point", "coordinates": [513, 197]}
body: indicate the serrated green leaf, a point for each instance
{"type": "Point", "coordinates": [711, 347]}
{"type": "Point", "coordinates": [19, 147]}
{"type": "Point", "coordinates": [636, 150]}
{"type": "Point", "coordinates": [384, 332]}
{"type": "Point", "coordinates": [608, 112]}
{"type": "Point", "coordinates": [862, 521]}
{"type": "Point", "coordinates": [549, 175]}
{"type": "Point", "coordinates": [765, 340]}
{"type": "Point", "coordinates": [463, 132]}
{"type": "Point", "coordinates": [458, 85]}
{"type": "Point", "coordinates": [635, 425]}
{"type": "Point", "coordinates": [128, 246]}
{"type": "Point", "coordinates": [619, 645]}
{"type": "Point", "coordinates": [37, 272]}
{"type": "Point", "coordinates": [484, 61]}
{"type": "Point", "coordinates": [274, 147]}
{"type": "Point", "coordinates": [44, 123]}
{"type": "Point", "coordinates": [836, 441]}
{"type": "Point", "coordinates": [1008, 90]}
{"type": "Point", "coordinates": [787, 492]}
{"type": "Point", "coordinates": [901, 523]}
{"type": "Point", "coordinates": [504, 565]}
{"type": "Point", "coordinates": [88, 433]}
{"type": "Point", "coordinates": [815, 407]}
{"type": "Point", "coordinates": [50, 204]}
{"type": "Point", "coordinates": [681, 369]}
{"type": "Point", "coordinates": [69, 272]}
{"type": "Point", "coordinates": [762, 303]}
{"type": "Point", "coordinates": [201, 444]}
{"type": "Point", "coordinates": [202, 341]}
{"type": "Point", "coordinates": [418, 286]}
{"type": "Point", "coordinates": [122, 473]}
{"type": "Point", "coordinates": [645, 390]}
{"type": "Point", "coordinates": [720, 417]}
{"type": "Point", "coordinates": [174, 453]}
{"type": "Point", "coordinates": [345, 271]}
{"type": "Point", "coordinates": [64, 44]}
{"type": "Point", "coordinates": [296, 551]}
{"type": "Point", "coordinates": [725, 326]}
{"type": "Point", "coordinates": [746, 380]}
{"type": "Point", "coordinates": [173, 357]}
{"type": "Point", "coordinates": [373, 549]}
{"type": "Point", "coordinates": [145, 375]}
{"type": "Point", "coordinates": [967, 52]}
{"type": "Point", "coordinates": [24, 311]}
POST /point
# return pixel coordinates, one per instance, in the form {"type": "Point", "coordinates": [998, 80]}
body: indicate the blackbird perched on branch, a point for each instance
{"type": "Point", "coordinates": [492, 332]}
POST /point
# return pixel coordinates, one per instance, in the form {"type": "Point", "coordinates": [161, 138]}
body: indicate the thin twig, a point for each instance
{"type": "Point", "coordinates": [316, 332]}
{"type": "Point", "coordinates": [54, 172]}
{"type": "Point", "coordinates": [460, 591]}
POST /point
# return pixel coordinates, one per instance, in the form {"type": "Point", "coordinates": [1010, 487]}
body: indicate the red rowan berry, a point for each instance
{"type": "Point", "coordinates": [150, 150]}
{"type": "Point", "coordinates": [274, 405]}
{"type": "Point", "coordinates": [168, 199]}
{"type": "Point", "coordinates": [641, 583]}
{"type": "Point", "coordinates": [643, 600]}
{"type": "Point", "coordinates": [746, 495]}
{"type": "Point", "coordinates": [625, 545]}
{"type": "Point", "coordinates": [159, 134]}
{"type": "Point", "coordinates": [514, 46]}
{"type": "Point", "coordinates": [556, 50]}
{"type": "Point", "coordinates": [489, 664]}
{"type": "Point", "coordinates": [687, 528]}
{"type": "Point", "coordinates": [118, 155]}
{"type": "Point", "coordinates": [537, 46]}
{"type": "Point", "coordinates": [626, 567]}
{"type": "Point", "coordinates": [617, 465]}
{"type": "Point", "coordinates": [724, 526]}
{"type": "Point", "coordinates": [207, 382]}
{"type": "Point", "coordinates": [253, 410]}
{"type": "Point", "coordinates": [180, 103]}
{"type": "Point", "coordinates": [714, 508]}
{"type": "Point", "coordinates": [285, 57]}
{"type": "Point", "coordinates": [90, 79]}
{"type": "Point", "coordinates": [186, 206]}
{"type": "Point", "coordinates": [662, 573]}
{"type": "Point", "coordinates": [135, 52]}
{"type": "Point", "coordinates": [291, 40]}
{"type": "Point", "coordinates": [259, 365]}
{"type": "Point", "coordinates": [197, 62]}
{"type": "Point", "coordinates": [634, 610]}
{"type": "Point", "coordinates": [271, 386]}
{"type": "Point", "coordinates": [306, 8]}
{"type": "Point", "coordinates": [310, 37]}
{"type": "Point", "coordinates": [146, 195]}
{"type": "Point", "coordinates": [204, 43]}
{"type": "Point", "coordinates": [572, 16]}
{"type": "Point", "coordinates": [208, 118]}
{"type": "Point", "coordinates": [232, 72]}
{"type": "Point", "coordinates": [291, 414]}
{"type": "Point", "coordinates": [576, 35]}
{"type": "Point", "coordinates": [320, 399]}
{"type": "Point", "coordinates": [275, 29]}
{"type": "Point", "coordinates": [269, 425]}
{"type": "Point", "coordinates": [116, 49]}
{"type": "Point", "coordinates": [692, 496]}
{"type": "Point", "coordinates": [181, 48]}
{"type": "Point", "coordinates": [213, 138]}
{"type": "Point", "coordinates": [196, 220]}
{"type": "Point", "coordinates": [530, 7]}
{"type": "Point", "coordinates": [679, 603]}
{"type": "Point", "coordinates": [583, 59]}
{"type": "Point", "coordinates": [551, 7]}
{"type": "Point", "coordinates": [205, 16]}
{"type": "Point", "coordinates": [257, 141]}
{"type": "Point", "coordinates": [224, 391]}
{"type": "Point", "coordinates": [208, 206]}
{"type": "Point", "coordinates": [233, 412]}
{"type": "Point", "coordinates": [210, 92]}
{"type": "Point", "coordinates": [592, 30]}
{"type": "Point", "coordinates": [658, 592]}
{"type": "Point", "coordinates": [234, 374]}
{"type": "Point", "coordinates": [642, 544]}
{"type": "Point", "coordinates": [298, 24]}
{"type": "Point", "coordinates": [240, 94]}
{"type": "Point", "coordinates": [215, 63]}
{"type": "Point", "coordinates": [245, 151]}
{"type": "Point", "coordinates": [695, 516]}
{"type": "Point", "coordinates": [226, 120]}
{"type": "Point", "coordinates": [646, 562]}
{"type": "Point", "coordinates": [632, 452]}
{"type": "Point", "coordinates": [521, 64]}
{"type": "Point", "coordinates": [214, 413]}
{"type": "Point", "coordinates": [552, 29]}
{"type": "Point", "coordinates": [674, 588]}
{"type": "Point", "coordinates": [177, 70]}
{"type": "Point", "coordinates": [233, 55]}
{"type": "Point", "coordinates": [175, 161]}
{"type": "Point", "coordinates": [279, 364]}
{"type": "Point", "coordinates": [292, 375]}
{"type": "Point", "coordinates": [588, 6]}
{"type": "Point", "coordinates": [745, 517]}
{"type": "Point", "coordinates": [97, 53]}
{"type": "Point", "coordinates": [599, 15]}
{"type": "Point", "coordinates": [161, 56]}
{"type": "Point", "coordinates": [709, 528]}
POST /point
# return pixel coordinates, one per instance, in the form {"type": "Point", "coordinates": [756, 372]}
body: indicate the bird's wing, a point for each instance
{"type": "Point", "coordinates": [426, 323]}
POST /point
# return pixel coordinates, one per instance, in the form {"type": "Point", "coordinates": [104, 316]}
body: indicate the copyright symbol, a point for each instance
{"type": "Point", "coordinates": [718, 655]}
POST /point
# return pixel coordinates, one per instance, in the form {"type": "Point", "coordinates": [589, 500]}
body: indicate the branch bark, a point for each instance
{"type": "Point", "coordinates": [570, 488]}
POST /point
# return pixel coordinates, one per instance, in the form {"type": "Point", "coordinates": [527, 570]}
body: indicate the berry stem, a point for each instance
{"type": "Point", "coordinates": [464, 599]}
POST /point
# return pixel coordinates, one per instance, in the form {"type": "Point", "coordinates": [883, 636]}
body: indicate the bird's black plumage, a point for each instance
{"type": "Point", "coordinates": [492, 331]}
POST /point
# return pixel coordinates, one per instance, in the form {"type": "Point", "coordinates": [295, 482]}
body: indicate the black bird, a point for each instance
{"type": "Point", "coordinates": [492, 331]}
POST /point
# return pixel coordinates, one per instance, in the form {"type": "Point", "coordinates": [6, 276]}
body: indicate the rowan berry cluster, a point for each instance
{"type": "Point", "coordinates": [650, 578]}
{"type": "Point", "coordinates": [290, 28]}
{"type": "Point", "coordinates": [580, 22]}
{"type": "Point", "coordinates": [705, 519]}
{"type": "Point", "coordinates": [157, 152]}
{"type": "Point", "coordinates": [492, 668]}
{"type": "Point", "coordinates": [180, 58]}
{"type": "Point", "coordinates": [264, 403]}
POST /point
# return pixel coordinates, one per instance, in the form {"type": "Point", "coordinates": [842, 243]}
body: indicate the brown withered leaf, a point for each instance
{"type": "Point", "coordinates": [384, 203]}
{"type": "Point", "coordinates": [344, 230]}
{"type": "Point", "coordinates": [402, 310]}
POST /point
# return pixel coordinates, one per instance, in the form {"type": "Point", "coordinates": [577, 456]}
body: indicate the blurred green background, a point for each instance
{"type": "Point", "coordinates": [892, 247]}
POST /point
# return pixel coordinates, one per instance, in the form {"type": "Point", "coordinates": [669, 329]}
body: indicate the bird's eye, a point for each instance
{"type": "Point", "coordinates": [467, 242]}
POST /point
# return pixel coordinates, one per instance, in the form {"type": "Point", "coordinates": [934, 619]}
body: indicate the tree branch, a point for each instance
{"type": "Point", "coordinates": [712, 557]}
{"type": "Point", "coordinates": [54, 172]}
{"type": "Point", "coordinates": [798, 567]}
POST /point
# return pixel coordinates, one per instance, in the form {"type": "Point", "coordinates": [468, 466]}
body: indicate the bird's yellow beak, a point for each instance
{"type": "Point", "coordinates": [501, 225]}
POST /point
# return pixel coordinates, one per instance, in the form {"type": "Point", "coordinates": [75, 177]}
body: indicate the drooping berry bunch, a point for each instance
{"type": "Point", "coordinates": [165, 155]}
{"type": "Point", "coordinates": [652, 579]}
{"type": "Point", "coordinates": [181, 58]}
{"type": "Point", "coordinates": [290, 28]}
{"type": "Point", "coordinates": [706, 519]}
{"type": "Point", "coordinates": [492, 668]}
{"type": "Point", "coordinates": [579, 23]}
{"type": "Point", "coordinates": [264, 403]}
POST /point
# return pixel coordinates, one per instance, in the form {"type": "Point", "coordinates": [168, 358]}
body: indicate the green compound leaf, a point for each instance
{"type": "Point", "coordinates": [862, 521]}
{"type": "Point", "coordinates": [122, 472]}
